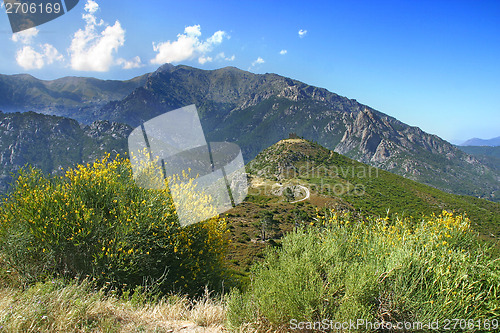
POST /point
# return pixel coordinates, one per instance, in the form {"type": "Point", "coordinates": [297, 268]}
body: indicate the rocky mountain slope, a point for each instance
{"type": "Point", "coordinates": [52, 143]}
{"type": "Point", "coordinates": [487, 155]}
{"type": "Point", "coordinates": [257, 110]}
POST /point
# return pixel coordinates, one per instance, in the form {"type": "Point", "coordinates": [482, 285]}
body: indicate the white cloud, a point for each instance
{"type": "Point", "coordinates": [258, 61]}
{"type": "Point", "coordinates": [29, 58]}
{"type": "Point", "coordinates": [129, 64]}
{"type": "Point", "coordinates": [204, 59]}
{"type": "Point", "coordinates": [216, 38]}
{"type": "Point", "coordinates": [187, 46]}
{"type": "Point", "coordinates": [91, 50]}
{"type": "Point", "coordinates": [51, 54]}
{"type": "Point", "coordinates": [25, 36]}
{"type": "Point", "coordinates": [223, 57]}
{"type": "Point", "coordinates": [283, 52]}
{"type": "Point", "coordinates": [91, 7]}
{"type": "Point", "coordinates": [302, 33]}
{"type": "Point", "coordinates": [193, 30]}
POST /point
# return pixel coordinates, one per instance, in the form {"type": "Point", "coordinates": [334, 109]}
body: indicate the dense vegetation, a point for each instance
{"type": "Point", "coordinates": [343, 267]}
{"type": "Point", "coordinates": [97, 252]}
{"type": "Point", "coordinates": [94, 222]}
{"type": "Point", "coordinates": [365, 188]}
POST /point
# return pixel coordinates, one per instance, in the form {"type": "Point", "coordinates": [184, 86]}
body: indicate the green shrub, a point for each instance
{"type": "Point", "coordinates": [95, 222]}
{"type": "Point", "coordinates": [340, 269]}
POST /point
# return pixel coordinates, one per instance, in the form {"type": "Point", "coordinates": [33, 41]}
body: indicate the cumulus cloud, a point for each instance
{"type": "Point", "coordinates": [25, 36]}
{"type": "Point", "coordinates": [129, 64]}
{"type": "Point", "coordinates": [187, 46]}
{"type": "Point", "coordinates": [204, 59]}
{"type": "Point", "coordinates": [302, 33]}
{"type": "Point", "coordinates": [283, 52]}
{"type": "Point", "coordinates": [222, 56]}
{"type": "Point", "coordinates": [258, 61]}
{"type": "Point", "coordinates": [94, 48]}
{"type": "Point", "coordinates": [29, 57]}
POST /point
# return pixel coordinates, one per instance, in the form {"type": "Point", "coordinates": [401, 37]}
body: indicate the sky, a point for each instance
{"type": "Point", "coordinates": [431, 64]}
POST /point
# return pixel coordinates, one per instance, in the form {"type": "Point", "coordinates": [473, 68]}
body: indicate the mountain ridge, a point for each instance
{"type": "Point", "coordinates": [493, 142]}
{"type": "Point", "coordinates": [257, 110]}
{"type": "Point", "coordinates": [73, 97]}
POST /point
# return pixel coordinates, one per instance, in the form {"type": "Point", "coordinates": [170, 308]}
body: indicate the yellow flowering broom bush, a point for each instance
{"type": "Point", "coordinates": [394, 270]}
{"type": "Point", "coordinates": [96, 222]}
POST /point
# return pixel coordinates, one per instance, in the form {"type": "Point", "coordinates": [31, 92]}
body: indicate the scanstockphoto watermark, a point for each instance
{"type": "Point", "coordinates": [361, 325]}
{"type": "Point", "coordinates": [366, 325]}
{"type": "Point", "coordinates": [26, 14]}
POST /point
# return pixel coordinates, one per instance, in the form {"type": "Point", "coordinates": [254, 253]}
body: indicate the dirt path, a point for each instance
{"type": "Point", "coordinates": [308, 194]}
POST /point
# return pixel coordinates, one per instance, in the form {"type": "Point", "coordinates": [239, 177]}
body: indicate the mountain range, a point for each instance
{"type": "Point", "coordinates": [254, 111]}
{"type": "Point", "coordinates": [79, 98]}
{"type": "Point", "coordinates": [495, 142]}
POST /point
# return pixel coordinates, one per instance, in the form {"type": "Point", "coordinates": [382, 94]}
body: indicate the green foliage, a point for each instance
{"type": "Point", "coordinates": [288, 193]}
{"type": "Point", "coordinates": [267, 223]}
{"type": "Point", "coordinates": [95, 222]}
{"type": "Point", "coordinates": [344, 267]}
{"type": "Point", "coordinates": [365, 188]}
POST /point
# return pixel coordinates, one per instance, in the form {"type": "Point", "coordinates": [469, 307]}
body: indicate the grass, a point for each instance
{"type": "Point", "coordinates": [341, 266]}
{"type": "Point", "coordinates": [55, 306]}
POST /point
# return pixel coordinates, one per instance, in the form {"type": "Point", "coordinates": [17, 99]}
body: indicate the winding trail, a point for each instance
{"type": "Point", "coordinates": [308, 194]}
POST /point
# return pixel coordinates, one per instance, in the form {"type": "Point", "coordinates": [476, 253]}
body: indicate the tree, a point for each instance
{"type": "Point", "coordinates": [267, 223]}
{"type": "Point", "coordinates": [289, 195]}
{"type": "Point", "coordinates": [300, 216]}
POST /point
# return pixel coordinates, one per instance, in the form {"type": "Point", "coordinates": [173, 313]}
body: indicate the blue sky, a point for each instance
{"type": "Point", "coordinates": [431, 64]}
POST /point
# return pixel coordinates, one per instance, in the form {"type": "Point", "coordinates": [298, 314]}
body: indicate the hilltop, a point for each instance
{"type": "Point", "coordinates": [494, 142]}
{"type": "Point", "coordinates": [319, 178]}
{"type": "Point", "coordinates": [358, 185]}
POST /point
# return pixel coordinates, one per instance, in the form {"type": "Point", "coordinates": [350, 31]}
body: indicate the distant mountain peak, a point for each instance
{"type": "Point", "coordinates": [481, 142]}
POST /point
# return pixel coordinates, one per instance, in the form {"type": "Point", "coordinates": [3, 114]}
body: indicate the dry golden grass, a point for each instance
{"type": "Point", "coordinates": [80, 308]}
